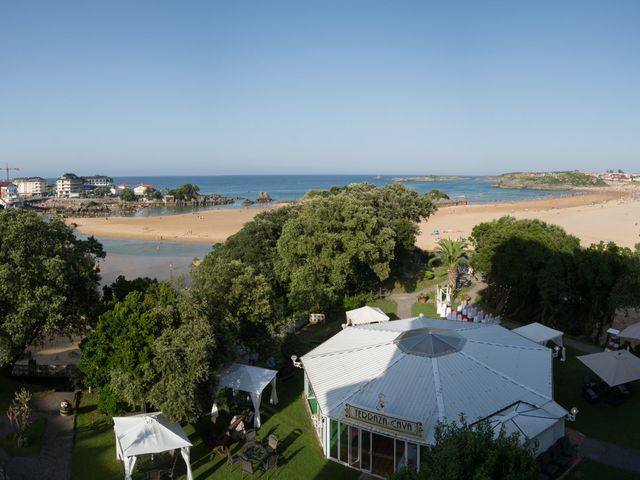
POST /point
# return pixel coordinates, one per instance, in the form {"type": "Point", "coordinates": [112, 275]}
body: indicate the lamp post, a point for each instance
{"type": "Point", "coordinates": [572, 414]}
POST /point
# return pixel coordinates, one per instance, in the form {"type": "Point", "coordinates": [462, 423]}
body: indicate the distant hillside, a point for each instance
{"type": "Point", "coordinates": [429, 178]}
{"type": "Point", "coordinates": [547, 180]}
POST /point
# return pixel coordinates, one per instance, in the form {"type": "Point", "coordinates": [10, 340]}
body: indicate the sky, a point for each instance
{"type": "Point", "coordinates": [252, 87]}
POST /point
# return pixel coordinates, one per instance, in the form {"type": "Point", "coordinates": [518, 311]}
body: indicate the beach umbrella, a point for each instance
{"type": "Point", "coordinates": [615, 368]}
{"type": "Point", "coordinates": [632, 331]}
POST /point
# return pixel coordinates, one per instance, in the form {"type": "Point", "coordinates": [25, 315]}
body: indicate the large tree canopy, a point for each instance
{"type": "Point", "coordinates": [48, 279]}
{"type": "Point", "coordinates": [537, 272]}
{"type": "Point", "coordinates": [148, 349]}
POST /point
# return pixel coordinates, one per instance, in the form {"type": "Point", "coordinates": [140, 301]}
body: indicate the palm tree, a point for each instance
{"type": "Point", "coordinates": [452, 253]}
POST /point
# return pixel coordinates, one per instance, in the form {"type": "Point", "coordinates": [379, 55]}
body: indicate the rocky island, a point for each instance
{"type": "Point", "coordinates": [547, 180]}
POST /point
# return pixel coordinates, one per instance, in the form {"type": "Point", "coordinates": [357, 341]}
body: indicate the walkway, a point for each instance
{"type": "Point", "coordinates": [54, 461]}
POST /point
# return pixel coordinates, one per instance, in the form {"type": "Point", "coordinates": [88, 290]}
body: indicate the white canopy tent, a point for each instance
{"type": "Point", "coordinates": [250, 379]}
{"type": "Point", "coordinates": [542, 334]}
{"type": "Point", "coordinates": [148, 433]}
{"type": "Point", "coordinates": [614, 367]}
{"type": "Point", "coordinates": [366, 315]}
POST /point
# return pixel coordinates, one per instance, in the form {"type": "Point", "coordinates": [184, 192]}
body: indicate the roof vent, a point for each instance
{"type": "Point", "coordinates": [430, 342]}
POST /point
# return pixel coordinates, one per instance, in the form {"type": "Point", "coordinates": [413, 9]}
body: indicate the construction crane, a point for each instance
{"type": "Point", "coordinates": [7, 169]}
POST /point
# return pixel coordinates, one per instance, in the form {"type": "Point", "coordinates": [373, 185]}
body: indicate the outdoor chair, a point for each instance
{"type": "Point", "coordinates": [247, 467]}
{"type": "Point", "coordinates": [272, 443]}
{"type": "Point", "coordinates": [623, 390]}
{"type": "Point", "coordinates": [250, 437]}
{"type": "Point", "coordinates": [589, 382]}
{"type": "Point", "coordinates": [270, 464]}
{"type": "Point", "coordinates": [590, 395]}
{"type": "Point", "coordinates": [232, 459]}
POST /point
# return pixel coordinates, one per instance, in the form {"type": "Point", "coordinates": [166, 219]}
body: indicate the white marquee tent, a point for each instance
{"type": "Point", "coordinates": [148, 433]}
{"type": "Point", "coordinates": [365, 315]}
{"type": "Point", "coordinates": [250, 379]}
{"type": "Point", "coordinates": [542, 334]}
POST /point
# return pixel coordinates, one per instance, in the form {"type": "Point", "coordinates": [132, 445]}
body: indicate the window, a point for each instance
{"type": "Point", "coordinates": [365, 452]}
{"type": "Point", "coordinates": [354, 447]}
{"type": "Point", "coordinates": [344, 443]}
{"type": "Point", "coordinates": [382, 454]}
{"type": "Point", "coordinates": [333, 439]}
{"type": "Point", "coordinates": [400, 458]}
{"type": "Point", "coordinates": [412, 456]}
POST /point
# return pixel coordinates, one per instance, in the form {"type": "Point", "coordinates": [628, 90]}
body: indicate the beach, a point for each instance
{"type": "Point", "coordinates": [603, 215]}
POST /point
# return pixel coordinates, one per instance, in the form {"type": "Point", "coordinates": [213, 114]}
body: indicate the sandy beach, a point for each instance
{"type": "Point", "coordinates": [607, 215]}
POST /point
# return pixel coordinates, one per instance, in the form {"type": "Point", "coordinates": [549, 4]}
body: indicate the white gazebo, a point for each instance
{"type": "Point", "coordinates": [542, 334]}
{"type": "Point", "coordinates": [366, 315]}
{"type": "Point", "coordinates": [148, 433]}
{"type": "Point", "coordinates": [250, 379]}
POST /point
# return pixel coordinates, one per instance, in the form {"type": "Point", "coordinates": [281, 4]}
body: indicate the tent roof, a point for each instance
{"type": "Point", "coordinates": [246, 378]}
{"type": "Point", "coordinates": [527, 420]}
{"type": "Point", "coordinates": [540, 333]}
{"type": "Point", "coordinates": [478, 369]}
{"type": "Point", "coordinates": [148, 433]}
{"type": "Point", "coordinates": [364, 315]}
{"type": "Point", "coordinates": [615, 368]}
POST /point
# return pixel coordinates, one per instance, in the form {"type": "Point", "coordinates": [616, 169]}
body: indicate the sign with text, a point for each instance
{"type": "Point", "coordinates": [386, 422]}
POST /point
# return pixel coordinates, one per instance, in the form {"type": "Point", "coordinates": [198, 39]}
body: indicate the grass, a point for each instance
{"type": "Point", "coordinates": [619, 425]}
{"type": "Point", "coordinates": [34, 434]}
{"type": "Point", "coordinates": [300, 453]}
{"type": "Point", "coordinates": [427, 309]}
{"type": "Point", "coordinates": [387, 306]}
{"type": "Point", "coordinates": [590, 470]}
{"type": "Point", "coordinates": [419, 283]}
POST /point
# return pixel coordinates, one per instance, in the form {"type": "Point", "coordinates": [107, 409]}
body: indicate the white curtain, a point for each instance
{"type": "Point", "coordinates": [185, 454]}
{"type": "Point", "coordinates": [274, 394]}
{"type": "Point", "coordinates": [256, 398]}
{"type": "Point", "coordinates": [129, 463]}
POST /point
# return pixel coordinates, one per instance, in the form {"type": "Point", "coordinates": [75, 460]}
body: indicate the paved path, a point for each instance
{"type": "Point", "coordinates": [54, 461]}
{"type": "Point", "coordinates": [610, 454]}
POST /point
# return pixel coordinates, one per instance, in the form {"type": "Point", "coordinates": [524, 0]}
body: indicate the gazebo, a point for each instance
{"type": "Point", "coordinates": [366, 315]}
{"type": "Point", "coordinates": [148, 433]}
{"type": "Point", "coordinates": [250, 379]}
{"type": "Point", "coordinates": [542, 334]}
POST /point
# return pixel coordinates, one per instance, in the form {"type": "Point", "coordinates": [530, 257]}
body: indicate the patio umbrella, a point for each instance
{"type": "Point", "coordinates": [632, 331]}
{"type": "Point", "coordinates": [615, 368]}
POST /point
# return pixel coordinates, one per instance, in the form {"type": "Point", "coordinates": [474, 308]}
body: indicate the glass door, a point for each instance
{"type": "Point", "coordinates": [354, 447]}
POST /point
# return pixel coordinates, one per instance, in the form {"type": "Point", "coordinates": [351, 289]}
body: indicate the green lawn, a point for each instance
{"type": "Point", "coordinates": [427, 309]}
{"type": "Point", "coordinates": [300, 454]}
{"type": "Point", "coordinates": [589, 470]}
{"type": "Point", "coordinates": [619, 425]}
{"type": "Point", "coordinates": [34, 434]}
{"type": "Point", "coordinates": [416, 285]}
{"type": "Point", "coordinates": [387, 306]}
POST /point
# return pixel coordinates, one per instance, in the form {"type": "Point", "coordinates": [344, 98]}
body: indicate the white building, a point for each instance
{"type": "Point", "coordinates": [8, 194]}
{"type": "Point", "coordinates": [69, 185]}
{"type": "Point", "coordinates": [95, 181]}
{"type": "Point", "coordinates": [376, 392]}
{"type": "Point", "coordinates": [31, 186]}
{"type": "Point", "coordinates": [142, 189]}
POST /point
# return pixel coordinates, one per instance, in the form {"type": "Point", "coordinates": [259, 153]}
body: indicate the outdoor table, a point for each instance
{"type": "Point", "coordinates": [254, 453]}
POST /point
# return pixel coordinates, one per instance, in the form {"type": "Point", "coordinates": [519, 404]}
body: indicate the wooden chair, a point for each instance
{"type": "Point", "coordinates": [246, 466]}
{"type": "Point", "coordinates": [232, 459]}
{"type": "Point", "coordinates": [272, 443]}
{"type": "Point", "coordinates": [250, 437]}
{"type": "Point", "coordinates": [270, 464]}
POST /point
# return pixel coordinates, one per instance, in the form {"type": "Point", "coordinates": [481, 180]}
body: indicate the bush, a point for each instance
{"type": "Point", "coordinates": [351, 302]}
{"type": "Point", "coordinates": [291, 345]}
{"type": "Point", "coordinates": [429, 275]}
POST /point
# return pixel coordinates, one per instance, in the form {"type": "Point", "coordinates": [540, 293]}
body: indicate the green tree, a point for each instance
{"type": "Point", "coordinates": [143, 350]}
{"type": "Point", "coordinates": [436, 194]}
{"type": "Point", "coordinates": [334, 246]}
{"type": "Point", "coordinates": [186, 191]}
{"type": "Point", "coordinates": [237, 301]}
{"type": "Point", "coordinates": [153, 194]}
{"type": "Point", "coordinates": [452, 254]}
{"type": "Point", "coordinates": [127, 195]}
{"type": "Point", "coordinates": [48, 280]}
{"type": "Point", "coordinates": [474, 452]}
{"type": "Point", "coordinates": [102, 192]}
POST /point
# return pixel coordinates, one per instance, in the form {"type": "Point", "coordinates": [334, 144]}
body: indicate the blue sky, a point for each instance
{"type": "Point", "coordinates": [155, 87]}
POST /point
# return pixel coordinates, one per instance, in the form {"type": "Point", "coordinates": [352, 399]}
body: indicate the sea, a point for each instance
{"type": "Point", "coordinates": [172, 261]}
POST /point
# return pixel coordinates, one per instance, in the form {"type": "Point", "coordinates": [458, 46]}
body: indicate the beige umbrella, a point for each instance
{"type": "Point", "coordinates": [615, 368]}
{"type": "Point", "coordinates": [632, 331]}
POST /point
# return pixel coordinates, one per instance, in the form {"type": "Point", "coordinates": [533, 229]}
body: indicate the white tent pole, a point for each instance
{"type": "Point", "coordinates": [185, 455]}
{"type": "Point", "coordinates": [274, 393]}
